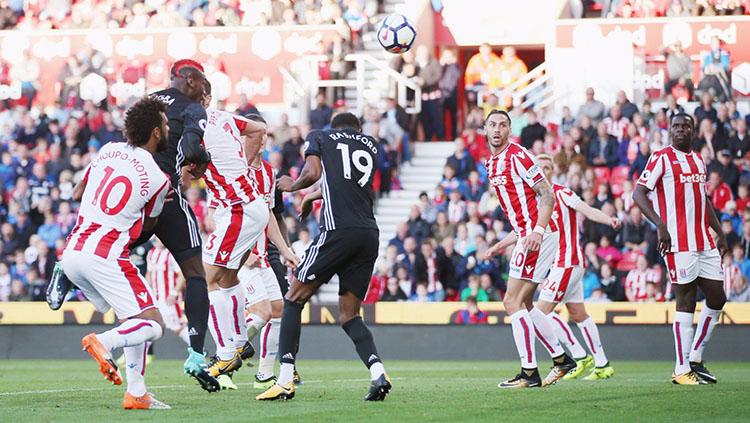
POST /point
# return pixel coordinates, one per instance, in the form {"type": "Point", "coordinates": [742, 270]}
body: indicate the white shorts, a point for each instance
{"type": "Point", "coordinates": [687, 266]}
{"type": "Point", "coordinates": [534, 265]}
{"type": "Point", "coordinates": [109, 283]}
{"type": "Point", "coordinates": [171, 314]}
{"type": "Point", "coordinates": [260, 284]}
{"type": "Point", "coordinates": [563, 285]}
{"type": "Point", "coordinates": [238, 228]}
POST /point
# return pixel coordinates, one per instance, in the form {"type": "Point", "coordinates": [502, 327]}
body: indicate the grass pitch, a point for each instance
{"type": "Point", "coordinates": [73, 390]}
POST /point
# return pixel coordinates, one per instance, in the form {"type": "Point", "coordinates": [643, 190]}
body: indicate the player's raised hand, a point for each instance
{"type": "Point", "coordinates": [665, 241]}
{"type": "Point", "coordinates": [284, 183]}
{"type": "Point", "coordinates": [492, 251]}
{"type": "Point", "coordinates": [532, 241]}
{"type": "Point", "coordinates": [615, 223]}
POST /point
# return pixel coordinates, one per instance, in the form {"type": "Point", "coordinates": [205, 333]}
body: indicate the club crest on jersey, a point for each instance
{"type": "Point", "coordinates": [683, 273]}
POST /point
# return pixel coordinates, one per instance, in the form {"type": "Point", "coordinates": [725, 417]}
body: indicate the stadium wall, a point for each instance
{"type": "Point", "coordinates": [403, 342]}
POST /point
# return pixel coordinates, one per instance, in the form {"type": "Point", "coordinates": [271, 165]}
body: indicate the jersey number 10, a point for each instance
{"type": "Point", "coordinates": [356, 158]}
{"type": "Point", "coordinates": [128, 189]}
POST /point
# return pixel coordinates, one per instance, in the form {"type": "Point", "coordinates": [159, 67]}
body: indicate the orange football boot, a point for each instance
{"type": "Point", "coordinates": [101, 354]}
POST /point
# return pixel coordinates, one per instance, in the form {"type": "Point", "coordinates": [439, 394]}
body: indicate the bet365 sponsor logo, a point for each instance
{"type": "Point", "coordinates": [693, 178]}
{"type": "Point", "coordinates": [498, 180]}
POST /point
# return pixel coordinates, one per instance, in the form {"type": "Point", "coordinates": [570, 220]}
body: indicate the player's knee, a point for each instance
{"type": "Point", "coordinates": [159, 329]}
{"type": "Point", "coordinates": [717, 301]}
{"type": "Point", "coordinates": [543, 306]}
{"type": "Point", "coordinates": [193, 268]}
{"type": "Point", "coordinates": [512, 304]}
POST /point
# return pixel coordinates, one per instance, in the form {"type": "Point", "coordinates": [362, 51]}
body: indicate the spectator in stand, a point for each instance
{"type": "Point", "coordinates": [421, 295]}
{"type": "Point", "coordinates": [450, 182]}
{"type": "Point", "coordinates": [739, 143]}
{"type": "Point", "coordinates": [635, 232]}
{"type": "Point", "coordinates": [283, 132]}
{"type": "Point", "coordinates": [707, 137]}
{"type": "Point", "coordinates": [679, 68]}
{"type": "Point", "coordinates": [567, 121]}
{"type": "Point", "coordinates": [706, 109]}
{"type": "Point", "coordinates": [728, 229]}
{"type": "Point", "coordinates": [728, 171]}
{"type": "Point", "coordinates": [461, 161]}
{"type": "Point", "coordinates": [627, 108]}
{"type": "Point", "coordinates": [603, 148]}
{"type": "Point", "coordinates": [393, 292]}
{"type": "Point", "coordinates": [471, 315]}
{"type": "Point", "coordinates": [740, 292]}
{"type": "Point", "coordinates": [473, 290]}
{"type": "Point", "coordinates": [473, 187]}
{"type": "Point", "coordinates": [617, 124]}
{"type": "Point", "coordinates": [715, 65]}
{"type": "Point", "coordinates": [730, 212]}
{"type": "Point", "coordinates": [418, 227]}
{"type": "Point", "coordinates": [568, 155]}
{"type": "Point", "coordinates": [533, 130]}
{"type": "Point", "coordinates": [429, 75]}
{"type": "Point", "coordinates": [592, 108]}
{"type": "Point", "coordinates": [402, 232]}
{"type": "Point", "coordinates": [443, 229]}
{"type": "Point", "coordinates": [451, 75]}
{"type": "Point", "coordinates": [719, 191]}
{"type": "Point", "coordinates": [482, 73]}
{"type": "Point", "coordinates": [291, 152]}
{"type": "Point", "coordinates": [637, 279]}
{"type": "Point", "coordinates": [320, 116]}
{"type": "Point", "coordinates": [512, 68]}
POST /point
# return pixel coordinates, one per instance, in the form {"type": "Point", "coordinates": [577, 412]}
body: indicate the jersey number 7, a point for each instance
{"type": "Point", "coordinates": [356, 158]}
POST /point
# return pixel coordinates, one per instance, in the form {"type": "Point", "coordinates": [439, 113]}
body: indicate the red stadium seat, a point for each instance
{"type": "Point", "coordinates": [628, 261]}
{"type": "Point", "coordinates": [617, 178]}
{"type": "Point", "coordinates": [602, 173]}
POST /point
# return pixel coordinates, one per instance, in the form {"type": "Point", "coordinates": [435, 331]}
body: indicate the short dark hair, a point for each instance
{"type": "Point", "coordinates": [497, 112]}
{"type": "Point", "coordinates": [255, 117]}
{"type": "Point", "coordinates": [684, 115]}
{"type": "Point", "coordinates": [346, 120]}
{"type": "Point", "coordinates": [141, 118]}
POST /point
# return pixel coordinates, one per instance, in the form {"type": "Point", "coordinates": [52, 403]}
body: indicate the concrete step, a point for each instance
{"type": "Point", "coordinates": [434, 149]}
{"type": "Point", "coordinates": [429, 162]}
{"type": "Point", "coordinates": [389, 211]}
{"type": "Point", "coordinates": [397, 202]}
{"type": "Point", "coordinates": [430, 178]}
{"type": "Point", "coordinates": [392, 219]}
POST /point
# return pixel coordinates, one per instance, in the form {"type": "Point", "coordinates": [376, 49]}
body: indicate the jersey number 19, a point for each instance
{"type": "Point", "coordinates": [356, 158]}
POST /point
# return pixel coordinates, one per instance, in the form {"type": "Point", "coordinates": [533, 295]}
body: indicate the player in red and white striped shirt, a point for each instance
{"type": "Point", "coordinates": [163, 273]}
{"type": "Point", "coordinates": [122, 193]}
{"type": "Point", "coordinates": [264, 302]}
{"type": "Point", "coordinates": [564, 283]}
{"type": "Point", "coordinates": [683, 213]}
{"type": "Point", "coordinates": [528, 201]}
{"type": "Point", "coordinates": [239, 222]}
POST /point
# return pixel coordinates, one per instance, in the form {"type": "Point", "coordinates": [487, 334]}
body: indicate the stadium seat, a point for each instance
{"type": "Point", "coordinates": [617, 178]}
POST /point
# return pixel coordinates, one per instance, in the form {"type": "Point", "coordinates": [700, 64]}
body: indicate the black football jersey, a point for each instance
{"type": "Point", "coordinates": [183, 114]}
{"type": "Point", "coordinates": [349, 160]}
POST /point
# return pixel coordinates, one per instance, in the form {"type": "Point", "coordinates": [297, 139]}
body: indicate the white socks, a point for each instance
{"type": "Point", "coordinates": [376, 370]}
{"type": "Point", "coordinates": [221, 323]}
{"type": "Point", "coordinates": [132, 332]}
{"type": "Point", "coordinates": [269, 348]}
{"type": "Point", "coordinates": [135, 368]}
{"type": "Point", "coordinates": [255, 324]}
{"type": "Point", "coordinates": [683, 335]}
{"type": "Point", "coordinates": [591, 336]}
{"type": "Point", "coordinates": [183, 334]}
{"type": "Point", "coordinates": [236, 296]}
{"type": "Point", "coordinates": [545, 333]}
{"type": "Point", "coordinates": [286, 374]}
{"type": "Point", "coordinates": [566, 336]}
{"type": "Point", "coordinates": [706, 324]}
{"type": "Point", "coordinates": [523, 335]}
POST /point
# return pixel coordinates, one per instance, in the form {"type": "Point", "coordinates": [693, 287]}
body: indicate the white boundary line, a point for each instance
{"type": "Point", "coordinates": [186, 386]}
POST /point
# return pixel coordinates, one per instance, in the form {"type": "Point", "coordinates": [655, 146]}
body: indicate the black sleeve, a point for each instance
{"type": "Point", "coordinates": [194, 118]}
{"type": "Point", "coordinates": [312, 144]}
{"type": "Point", "coordinates": [278, 206]}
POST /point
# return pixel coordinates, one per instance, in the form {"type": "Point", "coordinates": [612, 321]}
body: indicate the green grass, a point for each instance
{"type": "Point", "coordinates": [423, 391]}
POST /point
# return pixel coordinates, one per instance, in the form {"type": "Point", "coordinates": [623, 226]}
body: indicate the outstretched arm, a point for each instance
{"type": "Point", "coordinates": [310, 174]}
{"type": "Point", "coordinates": [275, 236]}
{"type": "Point", "coordinates": [597, 215]}
{"type": "Point", "coordinates": [504, 243]}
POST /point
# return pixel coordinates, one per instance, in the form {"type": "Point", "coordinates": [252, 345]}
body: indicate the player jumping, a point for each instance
{"type": "Point", "coordinates": [240, 219]}
{"type": "Point", "coordinates": [528, 201]}
{"type": "Point", "coordinates": [677, 176]}
{"type": "Point", "coordinates": [347, 245]}
{"type": "Point", "coordinates": [122, 192]}
{"type": "Point", "coordinates": [564, 283]}
{"type": "Point", "coordinates": [178, 227]}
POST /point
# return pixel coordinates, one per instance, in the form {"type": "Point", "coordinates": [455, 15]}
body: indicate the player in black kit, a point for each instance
{"type": "Point", "coordinates": [347, 245]}
{"type": "Point", "coordinates": [177, 227]}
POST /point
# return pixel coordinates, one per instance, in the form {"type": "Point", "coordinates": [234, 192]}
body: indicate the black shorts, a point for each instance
{"type": "Point", "coordinates": [274, 259]}
{"type": "Point", "coordinates": [177, 228]}
{"type": "Point", "coordinates": [349, 253]}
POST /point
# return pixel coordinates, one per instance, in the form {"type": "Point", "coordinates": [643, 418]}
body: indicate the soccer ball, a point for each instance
{"type": "Point", "coordinates": [396, 33]}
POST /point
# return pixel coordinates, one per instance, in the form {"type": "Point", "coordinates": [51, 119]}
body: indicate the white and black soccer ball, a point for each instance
{"type": "Point", "coordinates": [396, 33]}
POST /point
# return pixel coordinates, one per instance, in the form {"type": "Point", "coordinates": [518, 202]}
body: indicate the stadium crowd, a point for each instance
{"type": "Point", "coordinates": [438, 253]}
{"type": "Point", "coordinates": [657, 8]}
{"type": "Point", "coordinates": [64, 14]}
